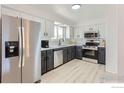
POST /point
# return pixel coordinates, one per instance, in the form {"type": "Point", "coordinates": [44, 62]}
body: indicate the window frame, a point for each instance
{"type": "Point", "coordinates": [63, 31]}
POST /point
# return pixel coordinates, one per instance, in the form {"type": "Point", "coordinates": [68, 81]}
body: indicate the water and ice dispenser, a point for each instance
{"type": "Point", "coordinates": [11, 49]}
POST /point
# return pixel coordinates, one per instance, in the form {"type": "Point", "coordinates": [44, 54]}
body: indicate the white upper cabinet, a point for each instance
{"type": "Point", "coordinates": [49, 28]}
{"type": "Point", "coordinates": [81, 29]}
{"type": "Point", "coordinates": [43, 33]}
{"type": "Point", "coordinates": [91, 27]}
{"type": "Point", "coordinates": [78, 32]}
{"type": "Point", "coordinates": [68, 32]}
{"type": "Point", "coordinates": [71, 32]}
{"type": "Point", "coordinates": [102, 30]}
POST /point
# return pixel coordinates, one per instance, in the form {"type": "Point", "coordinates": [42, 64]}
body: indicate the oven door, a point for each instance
{"type": "Point", "coordinates": [92, 54]}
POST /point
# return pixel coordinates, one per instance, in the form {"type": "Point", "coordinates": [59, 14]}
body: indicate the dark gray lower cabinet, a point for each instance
{"type": "Point", "coordinates": [69, 54]}
{"type": "Point", "coordinates": [79, 52]}
{"type": "Point", "coordinates": [50, 60]}
{"type": "Point", "coordinates": [65, 55]}
{"type": "Point", "coordinates": [47, 61]}
{"type": "Point", "coordinates": [101, 55]}
{"type": "Point", "coordinates": [73, 50]}
{"type": "Point", "coordinates": [43, 62]}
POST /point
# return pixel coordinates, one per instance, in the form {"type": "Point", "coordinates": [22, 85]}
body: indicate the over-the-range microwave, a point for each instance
{"type": "Point", "coordinates": [91, 35]}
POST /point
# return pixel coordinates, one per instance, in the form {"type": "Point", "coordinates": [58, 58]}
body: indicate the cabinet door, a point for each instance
{"type": "Point", "coordinates": [65, 55]}
{"type": "Point", "coordinates": [102, 30]}
{"type": "Point", "coordinates": [71, 32]}
{"type": "Point", "coordinates": [43, 33]}
{"type": "Point", "coordinates": [73, 52]}
{"type": "Point", "coordinates": [79, 52]}
{"type": "Point", "coordinates": [101, 55]}
{"type": "Point", "coordinates": [69, 53]}
{"type": "Point", "coordinates": [50, 60]}
{"type": "Point", "coordinates": [78, 32]}
{"type": "Point", "coordinates": [43, 62]}
{"type": "Point", "coordinates": [49, 27]}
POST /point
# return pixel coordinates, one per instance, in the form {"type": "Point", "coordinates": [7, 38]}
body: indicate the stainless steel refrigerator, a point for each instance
{"type": "Point", "coordinates": [21, 60]}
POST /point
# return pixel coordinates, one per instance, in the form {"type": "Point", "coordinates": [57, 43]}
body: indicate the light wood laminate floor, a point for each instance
{"type": "Point", "coordinates": [78, 71]}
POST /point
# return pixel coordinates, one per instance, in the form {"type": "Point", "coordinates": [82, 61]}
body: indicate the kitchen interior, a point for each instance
{"type": "Point", "coordinates": [58, 43]}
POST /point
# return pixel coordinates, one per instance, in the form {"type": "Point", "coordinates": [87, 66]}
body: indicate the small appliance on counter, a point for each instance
{"type": "Point", "coordinates": [45, 43]}
{"type": "Point", "coordinates": [102, 43]}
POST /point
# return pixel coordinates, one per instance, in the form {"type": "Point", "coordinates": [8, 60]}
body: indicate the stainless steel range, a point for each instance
{"type": "Point", "coordinates": [90, 51]}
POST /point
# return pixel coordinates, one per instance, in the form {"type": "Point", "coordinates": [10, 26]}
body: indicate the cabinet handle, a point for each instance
{"type": "Point", "coordinates": [47, 58]}
{"type": "Point", "coordinates": [44, 33]}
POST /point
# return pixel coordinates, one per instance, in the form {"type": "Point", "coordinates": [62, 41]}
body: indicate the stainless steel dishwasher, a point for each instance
{"type": "Point", "coordinates": [58, 57]}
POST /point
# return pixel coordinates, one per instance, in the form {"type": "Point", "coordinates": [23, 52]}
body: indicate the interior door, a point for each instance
{"type": "Point", "coordinates": [11, 69]}
{"type": "Point", "coordinates": [31, 65]}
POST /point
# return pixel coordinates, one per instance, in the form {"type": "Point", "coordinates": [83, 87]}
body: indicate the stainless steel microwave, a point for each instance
{"type": "Point", "coordinates": [91, 35]}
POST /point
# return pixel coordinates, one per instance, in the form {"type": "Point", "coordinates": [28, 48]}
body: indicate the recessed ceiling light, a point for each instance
{"type": "Point", "coordinates": [76, 6]}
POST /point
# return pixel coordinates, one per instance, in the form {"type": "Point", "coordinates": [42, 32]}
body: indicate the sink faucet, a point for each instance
{"type": "Point", "coordinates": [59, 42]}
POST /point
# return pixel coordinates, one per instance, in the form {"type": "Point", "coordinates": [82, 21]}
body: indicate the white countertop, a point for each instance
{"type": "Point", "coordinates": [61, 46]}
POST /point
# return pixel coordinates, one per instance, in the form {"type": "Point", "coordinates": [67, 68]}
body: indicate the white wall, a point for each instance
{"type": "Point", "coordinates": [121, 40]}
{"type": "Point", "coordinates": [111, 40]}
{"type": "Point", "coordinates": [115, 51]}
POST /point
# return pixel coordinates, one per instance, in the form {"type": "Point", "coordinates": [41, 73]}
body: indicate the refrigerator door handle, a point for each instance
{"type": "Point", "coordinates": [20, 46]}
{"type": "Point", "coordinates": [23, 47]}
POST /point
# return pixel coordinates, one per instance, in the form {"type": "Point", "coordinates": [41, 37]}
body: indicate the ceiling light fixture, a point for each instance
{"type": "Point", "coordinates": [76, 6]}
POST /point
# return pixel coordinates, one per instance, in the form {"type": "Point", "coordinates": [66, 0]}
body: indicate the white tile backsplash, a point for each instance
{"type": "Point", "coordinates": [55, 42]}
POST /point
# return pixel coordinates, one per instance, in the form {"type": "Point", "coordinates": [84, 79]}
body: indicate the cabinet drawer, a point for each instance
{"type": "Point", "coordinates": [49, 52]}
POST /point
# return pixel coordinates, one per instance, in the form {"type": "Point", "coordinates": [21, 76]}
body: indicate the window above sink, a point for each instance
{"type": "Point", "coordinates": [61, 31]}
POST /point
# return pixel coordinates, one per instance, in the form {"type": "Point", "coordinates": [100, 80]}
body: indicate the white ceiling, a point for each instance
{"type": "Point", "coordinates": [86, 12]}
